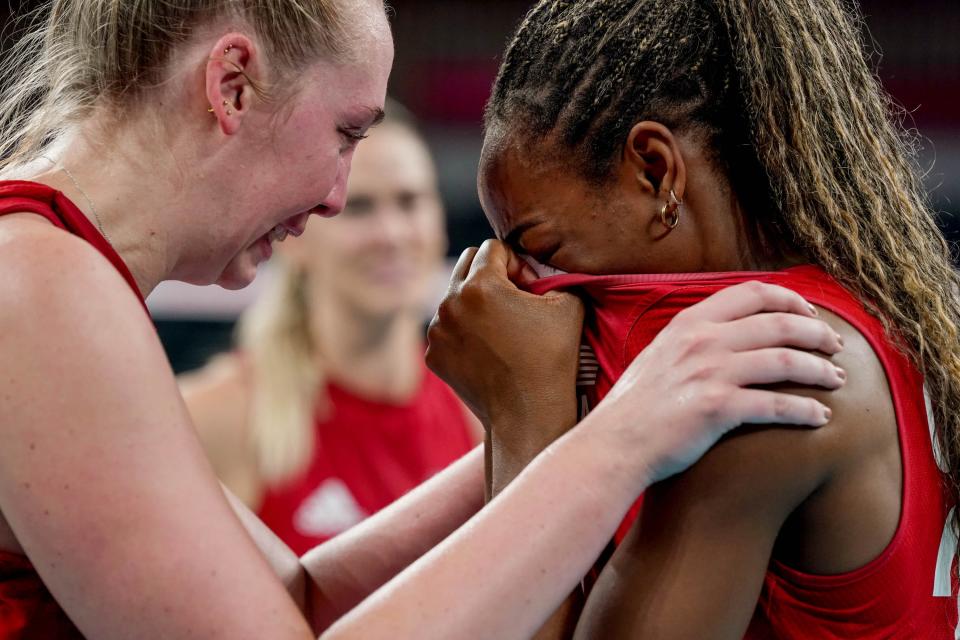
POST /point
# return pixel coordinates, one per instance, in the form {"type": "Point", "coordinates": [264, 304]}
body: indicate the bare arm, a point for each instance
{"type": "Point", "coordinates": [347, 569]}
{"type": "Point", "coordinates": [569, 500]}
{"type": "Point", "coordinates": [513, 448]}
{"type": "Point", "coordinates": [331, 579]}
{"type": "Point", "coordinates": [509, 597]}
{"type": "Point", "coordinates": [693, 564]}
{"type": "Point", "coordinates": [102, 479]}
{"type": "Point", "coordinates": [108, 491]}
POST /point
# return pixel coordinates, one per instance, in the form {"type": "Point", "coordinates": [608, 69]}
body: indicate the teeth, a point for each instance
{"type": "Point", "coordinates": [278, 233]}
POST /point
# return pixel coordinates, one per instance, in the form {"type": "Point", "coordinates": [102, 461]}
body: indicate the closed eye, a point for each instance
{"type": "Point", "coordinates": [355, 135]}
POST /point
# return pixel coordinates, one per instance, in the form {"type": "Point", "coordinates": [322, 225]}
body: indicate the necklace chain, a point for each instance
{"type": "Point", "coordinates": [76, 184]}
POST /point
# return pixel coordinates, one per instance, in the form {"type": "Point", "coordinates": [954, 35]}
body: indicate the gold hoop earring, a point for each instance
{"type": "Point", "coordinates": [670, 214]}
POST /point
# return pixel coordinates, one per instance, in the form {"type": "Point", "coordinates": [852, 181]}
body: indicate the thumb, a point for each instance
{"type": "Point", "coordinates": [520, 272]}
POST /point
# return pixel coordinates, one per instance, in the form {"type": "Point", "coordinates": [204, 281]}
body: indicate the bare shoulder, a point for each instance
{"type": "Point", "coordinates": [51, 270]}
{"type": "Point", "coordinates": [797, 459]}
{"type": "Point", "coordinates": [101, 475]}
{"type": "Point", "coordinates": [821, 499]}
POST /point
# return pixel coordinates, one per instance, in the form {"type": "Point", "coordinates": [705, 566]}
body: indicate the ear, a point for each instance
{"type": "Point", "coordinates": [653, 156]}
{"type": "Point", "coordinates": [232, 62]}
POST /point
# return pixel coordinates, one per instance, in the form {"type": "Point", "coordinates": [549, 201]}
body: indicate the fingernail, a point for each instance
{"type": "Point", "coordinates": [813, 309]}
{"type": "Point", "coordinates": [827, 414]}
{"type": "Point", "coordinates": [841, 373]}
{"type": "Point", "coordinates": [840, 340]}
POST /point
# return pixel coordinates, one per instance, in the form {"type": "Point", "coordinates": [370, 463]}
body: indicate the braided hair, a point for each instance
{"type": "Point", "coordinates": [782, 95]}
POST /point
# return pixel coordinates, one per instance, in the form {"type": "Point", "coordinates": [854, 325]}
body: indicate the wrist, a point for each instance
{"type": "Point", "coordinates": [517, 438]}
{"type": "Point", "coordinates": [628, 460]}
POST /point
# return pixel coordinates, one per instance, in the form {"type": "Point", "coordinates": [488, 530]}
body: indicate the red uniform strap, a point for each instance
{"type": "Point", "coordinates": [20, 196]}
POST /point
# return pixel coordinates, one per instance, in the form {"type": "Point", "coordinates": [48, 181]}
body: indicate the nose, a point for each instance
{"type": "Point", "coordinates": [336, 200]}
{"type": "Point", "coordinates": [392, 228]}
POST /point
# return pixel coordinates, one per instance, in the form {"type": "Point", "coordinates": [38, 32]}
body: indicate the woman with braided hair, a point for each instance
{"type": "Point", "coordinates": [719, 141]}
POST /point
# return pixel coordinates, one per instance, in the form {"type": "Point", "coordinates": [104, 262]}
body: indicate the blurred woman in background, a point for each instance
{"type": "Point", "coordinates": [328, 413]}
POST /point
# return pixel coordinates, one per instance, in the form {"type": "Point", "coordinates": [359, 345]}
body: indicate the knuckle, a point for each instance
{"type": "Point", "coordinates": [787, 360]}
{"type": "Point", "coordinates": [693, 342]}
{"type": "Point", "coordinates": [781, 407]}
{"type": "Point", "coordinates": [704, 371]}
{"type": "Point", "coordinates": [785, 327]}
{"type": "Point", "coordinates": [445, 313]}
{"type": "Point", "coordinates": [714, 403]}
{"type": "Point", "coordinates": [473, 292]}
{"type": "Point", "coordinates": [757, 289]}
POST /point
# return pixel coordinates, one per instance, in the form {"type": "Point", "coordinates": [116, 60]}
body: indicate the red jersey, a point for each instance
{"type": "Point", "coordinates": [368, 454]}
{"type": "Point", "coordinates": [909, 590]}
{"type": "Point", "coordinates": [27, 609]}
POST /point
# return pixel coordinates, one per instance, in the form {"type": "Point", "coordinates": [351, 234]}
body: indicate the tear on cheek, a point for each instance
{"type": "Point", "coordinates": [542, 270]}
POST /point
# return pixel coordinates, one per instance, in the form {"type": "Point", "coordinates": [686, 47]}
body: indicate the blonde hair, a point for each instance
{"type": "Point", "coordinates": [89, 54]}
{"type": "Point", "coordinates": [275, 337]}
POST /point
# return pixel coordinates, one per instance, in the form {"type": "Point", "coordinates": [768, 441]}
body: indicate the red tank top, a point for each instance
{"type": "Point", "coordinates": [910, 590]}
{"type": "Point", "coordinates": [27, 609]}
{"type": "Point", "coordinates": [368, 454]}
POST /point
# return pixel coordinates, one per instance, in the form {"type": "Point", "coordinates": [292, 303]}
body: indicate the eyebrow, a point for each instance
{"type": "Point", "coordinates": [378, 115]}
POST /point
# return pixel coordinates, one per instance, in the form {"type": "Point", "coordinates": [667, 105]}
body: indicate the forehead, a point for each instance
{"type": "Point", "coordinates": [371, 40]}
{"type": "Point", "coordinates": [360, 76]}
{"type": "Point", "coordinates": [515, 178]}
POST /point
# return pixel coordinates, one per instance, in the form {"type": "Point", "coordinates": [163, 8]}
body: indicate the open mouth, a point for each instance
{"type": "Point", "coordinates": [294, 226]}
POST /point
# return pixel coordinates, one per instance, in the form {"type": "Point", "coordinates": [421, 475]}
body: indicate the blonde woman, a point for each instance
{"type": "Point", "coordinates": [158, 140]}
{"type": "Point", "coordinates": [327, 413]}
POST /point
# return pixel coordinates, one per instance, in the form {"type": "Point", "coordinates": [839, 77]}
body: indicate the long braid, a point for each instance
{"type": "Point", "coordinates": [845, 180]}
{"type": "Point", "coordinates": [782, 92]}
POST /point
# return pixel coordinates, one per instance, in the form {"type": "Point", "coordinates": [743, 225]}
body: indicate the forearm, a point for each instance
{"type": "Point", "coordinates": [347, 569]}
{"type": "Point", "coordinates": [508, 461]}
{"type": "Point", "coordinates": [480, 579]}
{"type": "Point", "coordinates": [284, 562]}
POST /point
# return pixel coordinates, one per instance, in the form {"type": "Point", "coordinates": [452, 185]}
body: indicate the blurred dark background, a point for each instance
{"type": "Point", "coordinates": [447, 57]}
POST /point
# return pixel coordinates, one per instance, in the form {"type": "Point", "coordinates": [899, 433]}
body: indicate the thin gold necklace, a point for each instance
{"type": "Point", "coordinates": [76, 184]}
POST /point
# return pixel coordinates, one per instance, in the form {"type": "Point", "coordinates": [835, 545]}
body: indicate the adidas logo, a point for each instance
{"type": "Point", "coordinates": [330, 509]}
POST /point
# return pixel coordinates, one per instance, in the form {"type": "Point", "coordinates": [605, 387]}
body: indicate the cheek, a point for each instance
{"type": "Point", "coordinates": [309, 161]}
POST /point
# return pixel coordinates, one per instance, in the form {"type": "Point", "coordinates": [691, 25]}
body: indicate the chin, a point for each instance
{"type": "Point", "coordinates": [237, 276]}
